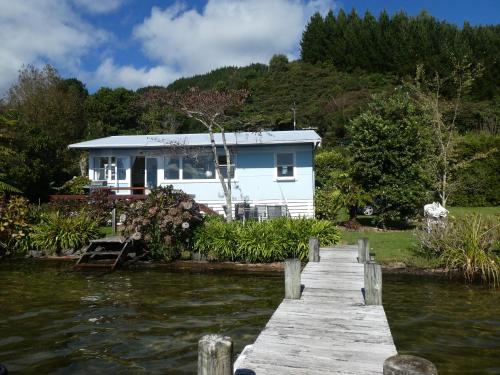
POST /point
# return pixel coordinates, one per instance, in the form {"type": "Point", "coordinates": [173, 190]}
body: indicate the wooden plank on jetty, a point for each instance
{"type": "Point", "coordinates": [329, 330]}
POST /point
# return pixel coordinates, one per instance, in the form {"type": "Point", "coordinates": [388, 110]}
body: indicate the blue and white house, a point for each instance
{"type": "Point", "coordinates": [272, 170]}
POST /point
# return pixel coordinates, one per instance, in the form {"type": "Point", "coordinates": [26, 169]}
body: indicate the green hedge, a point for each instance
{"type": "Point", "coordinates": [262, 242]}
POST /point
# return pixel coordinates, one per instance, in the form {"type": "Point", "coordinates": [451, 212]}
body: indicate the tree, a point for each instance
{"type": "Point", "coordinates": [47, 114]}
{"type": "Point", "coordinates": [389, 155]}
{"type": "Point", "coordinates": [111, 112]}
{"type": "Point", "coordinates": [443, 115]}
{"type": "Point", "coordinates": [212, 109]}
{"type": "Point", "coordinates": [335, 187]}
{"type": "Point", "coordinates": [278, 63]}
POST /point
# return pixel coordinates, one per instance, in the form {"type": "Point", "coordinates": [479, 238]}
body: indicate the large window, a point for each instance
{"type": "Point", "coordinates": [199, 167]}
{"type": "Point", "coordinates": [223, 165]}
{"type": "Point", "coordinates": [110, 168]}
{"type": "Point", "coordinates": [285, 165]}
{"type": "Point", "coordinates": [172, 169]}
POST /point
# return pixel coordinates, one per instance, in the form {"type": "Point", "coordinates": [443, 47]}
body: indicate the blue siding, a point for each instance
{"type": "Point", "coordinates": [255, 174]}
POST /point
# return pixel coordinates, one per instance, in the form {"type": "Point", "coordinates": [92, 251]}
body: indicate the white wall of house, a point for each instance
{"type": "Point", "coordinates": [264, 175]}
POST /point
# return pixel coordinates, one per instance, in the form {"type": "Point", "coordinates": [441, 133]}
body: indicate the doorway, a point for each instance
{"type": "Point", "coordinates": [138, 174]}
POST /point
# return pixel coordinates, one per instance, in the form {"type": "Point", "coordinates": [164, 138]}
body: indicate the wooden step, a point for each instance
{"type": "Point", "coordinates": [94, 265]}
{"type": "Point", "coordinates": [91, 258]}
{"type": "Point", "coordinates": [102, 253]}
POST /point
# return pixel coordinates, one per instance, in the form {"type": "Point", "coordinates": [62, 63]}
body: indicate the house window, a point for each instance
{"type": "Point", "coordinates": [284, 165]}
{"type": "Point", "coordinates": [112, 168]}
{"type": "Point", "coordinates": [121, 170]}
{"type": "Point", "coordinates": [100, 168]}
{"type": "Point", "coordinates": [198, 168]}
{"type": "Point", "coordinates": [223, 166]}
{"type": "Point", "coordinates": [172, 168]}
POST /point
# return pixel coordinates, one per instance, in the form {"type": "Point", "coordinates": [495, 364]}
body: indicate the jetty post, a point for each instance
{"type": "Point", "coordinates": [313, 249]}
{"type": "Point", "coordinates": [363, 250]}
{"type": "Point", "coordinates": [292, 278]}
{"type": "Point", "coordinates": [215, 354]}
{"type": "Point", "coordinates": [373, 283]}
{"type": "Point", "coordinates": [408, 364]}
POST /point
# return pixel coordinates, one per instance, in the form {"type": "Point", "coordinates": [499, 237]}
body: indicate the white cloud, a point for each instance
{"type": "Point", "coordinates": [112, 75]}
{"type": "Point", "coordinates": [33, 31]}
{"type": "Point", "coordinates": [181, 40]}
{"type": "Point", "coordinates": [226, 32]}
{"type": "Point", "coordinates": [99, 6]}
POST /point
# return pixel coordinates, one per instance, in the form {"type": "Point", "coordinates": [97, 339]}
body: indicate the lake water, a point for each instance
{"type": "Point", "coordinates": [54, 320]}
{"type": "Point", "coordinates": [456, 326]}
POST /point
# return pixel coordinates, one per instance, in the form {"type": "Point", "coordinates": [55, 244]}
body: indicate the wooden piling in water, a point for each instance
{"type": "Point", "coordinates": [363, 250]}
{"type": "Point", "coordinates": [373, 283]}
{"type": "Point", "coordinates": [292, 278]}
{"type": "Point", "coordinates": [215, 354]}
{"type": "Point", "coordinates": [313, 249]}
{"type": "Point", "coordinates": [408, 365]}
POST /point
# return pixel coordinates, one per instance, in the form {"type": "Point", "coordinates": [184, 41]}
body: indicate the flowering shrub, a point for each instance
{"type": "Point", "coordinates": [164, 222]}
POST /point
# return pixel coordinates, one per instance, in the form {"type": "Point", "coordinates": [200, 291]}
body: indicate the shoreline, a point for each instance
{"type": "Point", "coordinates": [201, 265]}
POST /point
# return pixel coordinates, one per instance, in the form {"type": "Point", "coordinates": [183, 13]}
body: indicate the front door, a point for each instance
{"type": "Point", "coordinates": [151, 173]}
{"type": "Point", "coordinates": [138, 174]}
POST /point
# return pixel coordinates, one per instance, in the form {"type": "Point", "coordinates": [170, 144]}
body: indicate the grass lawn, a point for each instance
{"type": "Point", "coordinates": [106, 231]}
{"type": "Point", "coordinates": [396, 246]}
{"type": "Point", "coordinates": [462, 211]}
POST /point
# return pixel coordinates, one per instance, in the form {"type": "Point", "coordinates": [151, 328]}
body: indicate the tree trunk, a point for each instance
{"type": "Point", "coordinates": [83, 164]}
{"type": "Point", "coordinates": [225, 188]}
{"type": "Point", "coordinates": [353, 212]}
{"type": "Point", "coordinates": [229, 199]}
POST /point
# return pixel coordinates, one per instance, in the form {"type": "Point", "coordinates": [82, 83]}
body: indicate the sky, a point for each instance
{"type": "Point", "coordinates": [136, 43]}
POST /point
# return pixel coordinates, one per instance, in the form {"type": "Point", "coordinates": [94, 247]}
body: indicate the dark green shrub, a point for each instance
{"type": "Point", "coordinates": [260, 242]}
{"type": "Point", "coordinates": [15, 224]}
{"type": "Point", "coordinates": [164, 222]}
{"type": "Point", "coordinates": [56, 233]}
{"type": "Point", "coordinates": [470, 244]}
{"type": "Point", "coordinates": [390, 154]}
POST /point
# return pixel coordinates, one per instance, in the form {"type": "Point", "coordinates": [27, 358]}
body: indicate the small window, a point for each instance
{"type": "Point", "coordinates": [100, 168]}
{"type": "Point", "coordinates": [201, 167]}
{"type": "Point", "coordinates": [172, 168]}
{"type": "Point", "coordinates": [223, 165]}
{"type": "Point", "coordinates": [284, 165]}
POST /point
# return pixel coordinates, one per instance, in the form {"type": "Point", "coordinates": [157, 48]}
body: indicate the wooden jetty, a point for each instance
{"type": "Point", "coordinates": [106, 252]}
{"type": "Point", "coordinates": [330, 329]}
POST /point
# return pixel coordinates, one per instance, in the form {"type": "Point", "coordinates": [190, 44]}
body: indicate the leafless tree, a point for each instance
{"type": "Point", "coordinates": [209, 108]}
{"type": "Point", "coordinates": [443, 113]}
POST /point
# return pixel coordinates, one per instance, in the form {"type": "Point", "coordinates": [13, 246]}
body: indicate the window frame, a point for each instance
{"type": "Point", "coordinates": [224, 166]}
{"type": "Point", "coordinates": [285, 178]}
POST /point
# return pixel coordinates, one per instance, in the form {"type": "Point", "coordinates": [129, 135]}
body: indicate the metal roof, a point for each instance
{"type": "Point", "coordinates": [201, 139]}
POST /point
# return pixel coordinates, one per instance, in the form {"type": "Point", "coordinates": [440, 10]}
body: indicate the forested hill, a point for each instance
{"type": "Point", "coordinates": [398, 43]}
{"type": "Point", "coordinates": [324, 97]}
{"type": "Point", "coordinates": [347, 58]}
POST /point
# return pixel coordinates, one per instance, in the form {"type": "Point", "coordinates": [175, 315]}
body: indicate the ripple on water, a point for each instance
{"type": "Point", "coordinates": [125, 322]}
